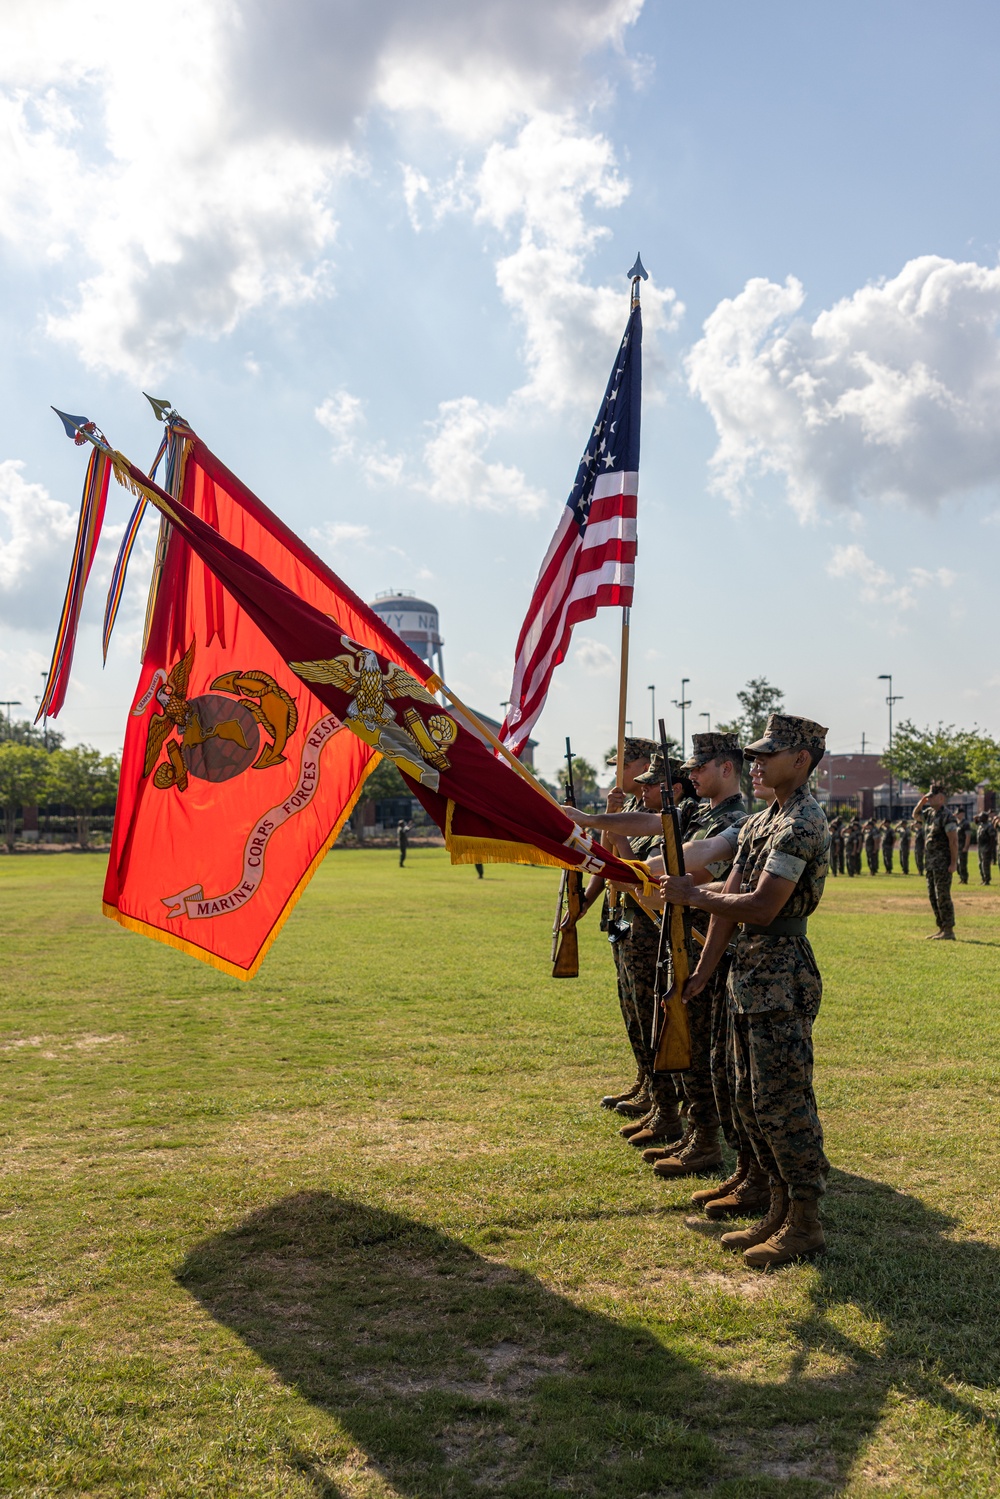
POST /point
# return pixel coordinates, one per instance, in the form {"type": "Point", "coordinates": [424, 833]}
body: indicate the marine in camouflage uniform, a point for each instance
{"type": "Point", "coordinates": [964, 842]}
{"type": "Point", "coordinates": [888, 844]}
{"type": "Point", "coordinates": [919, 836]}
{"type": "Point", "coordinates": [836, 845]}
{"type": "Point", "coordinates": [986, 846]}
{"type": "Point", "coordinates": [774, 990]}
{"type": "Point", "coordinates": [705, 1086]}
{"type": "Point", "coordinates": [904, 846]}
{"type": "Point", "coordinates": [637, 954]}
{"type": "Point", "coordinates": [871, 844]}
{"type": "Point", "coordinates": [940, 855]}
{"type": "Point", "coordinates": [634, 1101]}
{"type": "Point", "coordinates": [853, 845]}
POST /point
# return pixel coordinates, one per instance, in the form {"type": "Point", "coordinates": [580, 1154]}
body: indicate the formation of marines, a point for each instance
{"type": "Point", "coordinates": [752, 883]}
{"type": "Point", "coordinates": [881, 837]}
{"type": "Point", "coordinates": [753, 880]}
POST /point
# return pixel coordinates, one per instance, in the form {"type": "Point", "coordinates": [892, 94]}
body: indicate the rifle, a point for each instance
{"type": "Point", "coordinates": [565, 942]}
{"type": "Point", "coordinates": [671, 1040]}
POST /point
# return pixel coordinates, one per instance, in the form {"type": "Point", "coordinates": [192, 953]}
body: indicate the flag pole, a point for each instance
{"type": "Point", "coordinates": [637, 275]}
{"type": "Point", "coordinates": [622, 697]}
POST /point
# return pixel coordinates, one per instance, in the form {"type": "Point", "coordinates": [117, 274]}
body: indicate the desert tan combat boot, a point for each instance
{"type": "Point", "coordinates": [662, 1124]}
{"type": "Point", "coordinates": [701, 1153]}
{"type": "Point", "coordinates": [612, 1100]}
{"type": "Point", "coordinates": [635, 1125]}
{"type": "Point", "coordinates": [660, 1152]}
{"type": "Point", "coordinates": [798, 1238]}
{"type": "Point", "coordinates": [706, 1194]}
{"type": "Point", "coordinates": [944, 934]}
{"type": "Point", "coordinates": [759, 1233]}
{"type": "Point", "coordinates": [751, 1195]}
{"type": "Point", "coordinates": [638, 1105]}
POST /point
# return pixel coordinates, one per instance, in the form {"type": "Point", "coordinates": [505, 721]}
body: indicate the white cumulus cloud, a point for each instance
{"type": "Point", "coordinates": [593, 655]}
{"type": "Point", "coordinates": [36, 540]}
{"type": "Point", "coordinates": [890, 394]}
{"type": "Point", "coordinates": [540, 191]}
{"type": "Point", "coordinates": [877, 585]}
{"type": "Point", "coordinates": [181, 168]}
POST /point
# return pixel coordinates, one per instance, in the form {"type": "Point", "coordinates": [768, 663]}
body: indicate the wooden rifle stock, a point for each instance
{"type": "Point", "coordinates": [671, 1033]}
{"type": "Point", "coordinates": [565, 940]}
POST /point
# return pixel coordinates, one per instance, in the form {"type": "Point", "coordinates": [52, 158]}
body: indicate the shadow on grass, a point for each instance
{"type": "Point", "coordinates": [460, 1376]}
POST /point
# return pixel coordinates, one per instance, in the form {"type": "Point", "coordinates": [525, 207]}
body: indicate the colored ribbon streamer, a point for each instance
{"type": "Point", "coordinates": [88, 534]}
{"type": "Point", "coordinates": [124, 554]}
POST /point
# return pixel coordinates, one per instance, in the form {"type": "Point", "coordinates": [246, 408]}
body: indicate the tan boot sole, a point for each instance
{"type": "Point", "coordinates": [762, 1257]}
{"type": "Point", "coordinates": [673, 1167]}
{"type": "Point", "coordinates": [733, 1207]}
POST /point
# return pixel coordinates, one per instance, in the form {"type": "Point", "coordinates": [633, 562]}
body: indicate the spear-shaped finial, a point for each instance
{"type": "Point", "coordinates": [81, 429]}
{"type": "Point", "coordinates": [164, 410]}
{"type": "Point", "coordinates": [636, 274]}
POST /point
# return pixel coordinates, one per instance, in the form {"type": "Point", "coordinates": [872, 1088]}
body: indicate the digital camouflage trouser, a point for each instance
{"type": "Point", "coordinates": [773, 1064]}
{"type": "Point", "coordinates": [939, 890]}
{"type": "Point", "coordinates": [697, 1084]}
{"type": "Point", "coordinates": [775, 991]}
{"type": "Point", "coordinates": [963, 866]}
{"type": "Point", "coordinates": [985, 862]}
{"type": "Point", "coordinates": [636, 958]}
{"type": "Point", "coordinates": [871, 854]}
{"type": "Point", "coordinates": [904, 857]}
{"type": "Point", "coordinates": [723, 1068]}
{"type": "Point", "coordinates": [887, 858]}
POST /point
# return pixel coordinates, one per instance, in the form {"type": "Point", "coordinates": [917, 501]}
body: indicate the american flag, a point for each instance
{"type": "Point", "coordinates": [591, 558]}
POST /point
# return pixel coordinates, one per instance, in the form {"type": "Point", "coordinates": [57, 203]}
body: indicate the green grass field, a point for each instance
{"type": "Point", "coordinates": [358, 1228]}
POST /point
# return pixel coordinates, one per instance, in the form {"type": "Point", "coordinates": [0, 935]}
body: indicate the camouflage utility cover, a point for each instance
{"type": "Point", "coordinates": [784, 731]}
{"type": "Point", "coordinates": [711, 746]}
{"type": "Point", "coordinates": [635, 749]}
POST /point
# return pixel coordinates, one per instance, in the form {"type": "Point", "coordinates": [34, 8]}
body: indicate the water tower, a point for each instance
{"type": "Point", "coordinates": [416, 621]}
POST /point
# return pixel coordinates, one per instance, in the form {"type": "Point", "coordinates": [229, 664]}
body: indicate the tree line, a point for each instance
{"type": "Point", "coordinates": [36, 770]}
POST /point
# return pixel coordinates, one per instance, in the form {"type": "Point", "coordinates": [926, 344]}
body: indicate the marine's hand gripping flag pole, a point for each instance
{"type": "Point", "coordinates": [590, 562]}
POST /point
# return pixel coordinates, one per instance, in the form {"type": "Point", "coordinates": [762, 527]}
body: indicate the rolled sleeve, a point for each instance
{"type": "Point", "coordinates": [785, 866]}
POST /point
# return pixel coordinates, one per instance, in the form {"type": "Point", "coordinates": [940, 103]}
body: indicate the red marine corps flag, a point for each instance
{"type": "Point", "coordinates": [236, 777]}
{"type": "Point", "coordinates": [265, 673]}
{"type": "Point", "coordinates": [590, 562]}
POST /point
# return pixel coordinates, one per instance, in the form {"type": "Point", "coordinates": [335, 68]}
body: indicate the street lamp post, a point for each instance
{"type": "Point", "coordinates": [682, 703]}
{"type": "Point", "coordinates": [708, 721]}
{"type": "Point", "coordinates": [9, 703]}
{"type": "Point", "coordinates": [886, 676]}
{"type": "Point", "coordinates": [652, 709]}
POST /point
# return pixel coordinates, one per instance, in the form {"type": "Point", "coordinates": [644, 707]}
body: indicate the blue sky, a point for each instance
{"type": "Point", "coordinates": [376, 256]}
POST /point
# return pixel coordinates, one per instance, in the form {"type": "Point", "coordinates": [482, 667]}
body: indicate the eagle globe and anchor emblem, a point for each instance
{"type": "Point", "coordinates": [215, 737]}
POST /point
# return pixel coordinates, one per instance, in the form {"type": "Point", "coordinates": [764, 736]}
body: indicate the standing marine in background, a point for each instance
{"type": "Point", "coordinates": [871, 844]}
{"type": "Point", "coordinates": [940, 858]}
{"type": "Point", "coordinates": [836, 845]}
{"type": "Point", "coordinates": [919, 837]}
{"type": "Point", "coordinates": [986, 846]}
{"type": "Point", "coordinates": [888, 843]}
{"type": "Point", "coordinates": [964, 844]}
{"type": "Point", "coordinates": [852, 845]}
{"type": "Point", "coordinates": [904, 845]}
